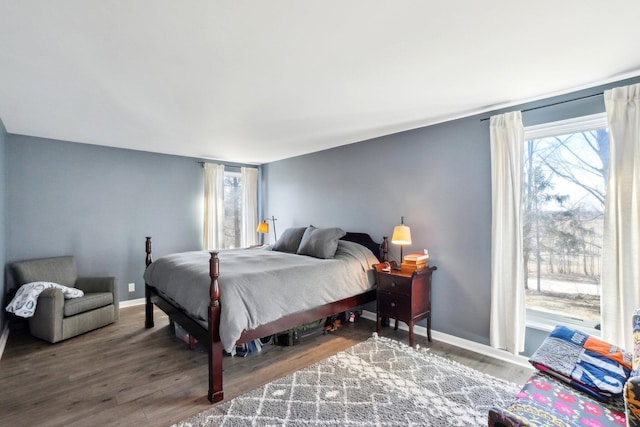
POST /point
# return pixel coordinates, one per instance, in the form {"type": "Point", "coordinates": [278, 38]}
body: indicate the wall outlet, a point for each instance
{"type": "Point", "coordinates": [132, 287]}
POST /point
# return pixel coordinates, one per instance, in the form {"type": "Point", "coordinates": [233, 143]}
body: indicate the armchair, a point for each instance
{"type": "Point", "coordinates": [545, 400]}
{"type": "Point", "coordinates": [57, 319]}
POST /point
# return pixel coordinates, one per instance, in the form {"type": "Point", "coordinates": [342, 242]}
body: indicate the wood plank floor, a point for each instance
{"type": "Point", "coordinates": [127, 375]}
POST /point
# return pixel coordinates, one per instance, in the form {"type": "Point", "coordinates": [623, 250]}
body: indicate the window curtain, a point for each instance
{"type": "Point", "coordinates": [249, 206]}
{"type": "Point", "coordinates": [507, 324]}
{"type": "Point", "coordinates": [621, 234]}
{"type": "Point", "coordinates": [213, 206]}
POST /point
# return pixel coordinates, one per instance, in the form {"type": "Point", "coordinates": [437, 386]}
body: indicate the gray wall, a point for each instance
{"type": "Point", "coordinates": [98, 204]}
{"type": "Point", "coordinates": [439, 178]}
{"type": "Point", "coordinates": [436, 177]}
{"type": "Point", "coordinates": [3, 219]}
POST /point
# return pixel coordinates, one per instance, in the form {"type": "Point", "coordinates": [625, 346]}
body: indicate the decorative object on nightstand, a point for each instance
{"type": "Point", "coordinates": [401, 236]}
{"type": "Point", "coordinates": [263, 227]}
{"type": "Point", "coordinates": [415, 261]}
{"type": "Point", "coordinates": [384, 249]}
{"type": "Point", "coordinates": [404, 295]}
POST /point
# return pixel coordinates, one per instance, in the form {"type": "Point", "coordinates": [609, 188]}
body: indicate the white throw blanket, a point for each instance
{"type": "Point", "coordinates": [26, 299]}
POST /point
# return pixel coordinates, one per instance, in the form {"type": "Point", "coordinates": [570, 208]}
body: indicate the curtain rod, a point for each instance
{"type": "Point", "coordinates": [555, 103]}
{"type": "Point", "coordinates": [201, 163]}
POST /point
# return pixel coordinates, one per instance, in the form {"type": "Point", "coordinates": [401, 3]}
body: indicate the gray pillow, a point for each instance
{"type": "Point", "coordinates": [320, 242]}
{"type": "Point", "coordinates": [289, 240]}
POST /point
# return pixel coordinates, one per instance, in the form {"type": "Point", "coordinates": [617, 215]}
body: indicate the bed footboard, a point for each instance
{"type": "Point", "coordinates": [215, 349]}
{"type": "Point", "coordinates": [210, 337]}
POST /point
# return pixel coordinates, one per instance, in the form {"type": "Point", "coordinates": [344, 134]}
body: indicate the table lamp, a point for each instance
{"type": "Point", "coordinates": [401, 236]}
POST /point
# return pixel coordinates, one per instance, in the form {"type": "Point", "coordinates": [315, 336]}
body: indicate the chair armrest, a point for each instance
{"type": "Point", "coordinates": [46, 322]}
{"type": "Point", "coordinates": [632, 401]}
{"type": "Point", "coordinates": [499, 417]}
{"type": "Point", "coordinates": [51, 298]}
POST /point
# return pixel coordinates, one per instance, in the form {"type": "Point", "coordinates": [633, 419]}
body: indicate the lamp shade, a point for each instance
{"type": "Point", "coordinates": [401, 235]}
{"type": "Point", "coordinates": [263, 227]}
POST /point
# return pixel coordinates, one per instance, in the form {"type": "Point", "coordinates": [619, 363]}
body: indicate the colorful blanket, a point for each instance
{"type": "Point", "coordinates": [585, 362]}
{"type": "Point", "coordinates": [25, 301]}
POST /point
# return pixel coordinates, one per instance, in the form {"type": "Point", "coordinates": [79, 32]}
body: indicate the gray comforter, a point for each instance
{"type": "Point", "coordinates": [258, 286]}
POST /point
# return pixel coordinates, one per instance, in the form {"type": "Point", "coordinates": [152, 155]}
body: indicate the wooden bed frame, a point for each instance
{"type": "Point", "coordinates": [210, 337]}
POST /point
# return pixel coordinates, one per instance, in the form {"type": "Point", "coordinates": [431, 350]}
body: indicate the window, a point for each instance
{"type": "Point", "coordinates": [230, 207]}
{"type": "Point", "coordinates": [564, 181]}
{"type": "Point", "coordinates": [232, 230]}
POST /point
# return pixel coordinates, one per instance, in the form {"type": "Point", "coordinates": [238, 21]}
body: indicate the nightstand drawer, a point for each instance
{"type": "Point", "coordinates": [395, 284]}
{"type": "Point", "coordinates": [394, 305]}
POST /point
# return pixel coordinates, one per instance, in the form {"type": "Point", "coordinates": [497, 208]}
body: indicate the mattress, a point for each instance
{"type": "Point", "coordinates": [258, 286]}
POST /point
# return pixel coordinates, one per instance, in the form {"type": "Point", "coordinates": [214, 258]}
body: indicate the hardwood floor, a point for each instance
{"type": "Point", "coordinates": [127, 375]}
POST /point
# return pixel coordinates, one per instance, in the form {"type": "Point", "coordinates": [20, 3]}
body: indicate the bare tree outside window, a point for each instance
{"type": "Point", "coordinates": [232, 209]}
{"type": "Point", "coordinates": [563, 206]}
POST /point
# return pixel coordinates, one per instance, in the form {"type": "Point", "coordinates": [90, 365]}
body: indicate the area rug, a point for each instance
{"type": "Point", "coordinates": [379, 382]}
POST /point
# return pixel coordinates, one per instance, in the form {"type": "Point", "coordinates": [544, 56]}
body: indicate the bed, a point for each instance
{"type": "Point", "coordinates": [255, 298]}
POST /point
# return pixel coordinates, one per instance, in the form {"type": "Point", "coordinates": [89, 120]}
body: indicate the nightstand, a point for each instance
{"type": "Point", "coordinates": [405, 295]}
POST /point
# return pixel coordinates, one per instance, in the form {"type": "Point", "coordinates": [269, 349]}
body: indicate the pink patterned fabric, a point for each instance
{"type": "Point", "coordinates": [546, 401]}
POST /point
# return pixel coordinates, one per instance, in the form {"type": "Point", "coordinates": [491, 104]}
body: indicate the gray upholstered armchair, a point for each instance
{"type": "Point", "coordinates": [57, 319]}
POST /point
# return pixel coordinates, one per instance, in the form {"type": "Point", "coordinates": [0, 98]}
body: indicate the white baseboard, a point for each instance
{"type": "Point", "coordinates": [132, 302]}
{"type": "Point", "coordinates": [420, 330]}
{"type": "Point", "coordinates": [460, 342]}
{"type": "Point", "coordinates": [5, 333]}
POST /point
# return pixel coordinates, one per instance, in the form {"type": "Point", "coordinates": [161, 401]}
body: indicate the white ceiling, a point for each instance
{"type": "Point", "coordinates": [258, 81]}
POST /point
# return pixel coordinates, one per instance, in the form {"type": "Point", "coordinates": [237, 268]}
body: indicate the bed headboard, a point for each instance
{"type": "Point", "coordinates": [365, 240]}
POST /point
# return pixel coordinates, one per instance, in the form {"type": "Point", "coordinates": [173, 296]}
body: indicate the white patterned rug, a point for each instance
{"type": "Point", "coordinates": [379, 382]}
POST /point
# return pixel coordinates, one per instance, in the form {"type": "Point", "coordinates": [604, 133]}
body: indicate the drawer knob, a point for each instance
{"type": "Point", "coordinates": [393, 304]}
{"type": "Point", "coordinates": [393, 284]}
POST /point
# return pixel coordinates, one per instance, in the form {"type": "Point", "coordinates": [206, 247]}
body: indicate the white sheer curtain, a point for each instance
{"type": "Point", "coordinates": [507, 264]}
{"type": "Point", "coordinates": [249, 206]}
{"type": "Point", "coordinates": [213, 206]}
{"type": "Point", "coordinates": [621, 235]}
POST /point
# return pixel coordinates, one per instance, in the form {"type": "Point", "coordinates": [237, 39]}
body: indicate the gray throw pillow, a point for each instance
{"type": "Point", "coordinates": [320, 242]}
{"type": "Point", "coordinates": [289, 240]}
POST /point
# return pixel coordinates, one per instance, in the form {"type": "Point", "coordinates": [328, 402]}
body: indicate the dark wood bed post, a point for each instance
{"type": "Point", "coordinates": [384, 248]}
{"type": "Point", "coordinates": [148, 321]}
{"type": "Point", "coordinates": [211, 337]}
{"type": "Point", "coordinates": [215, 352]}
